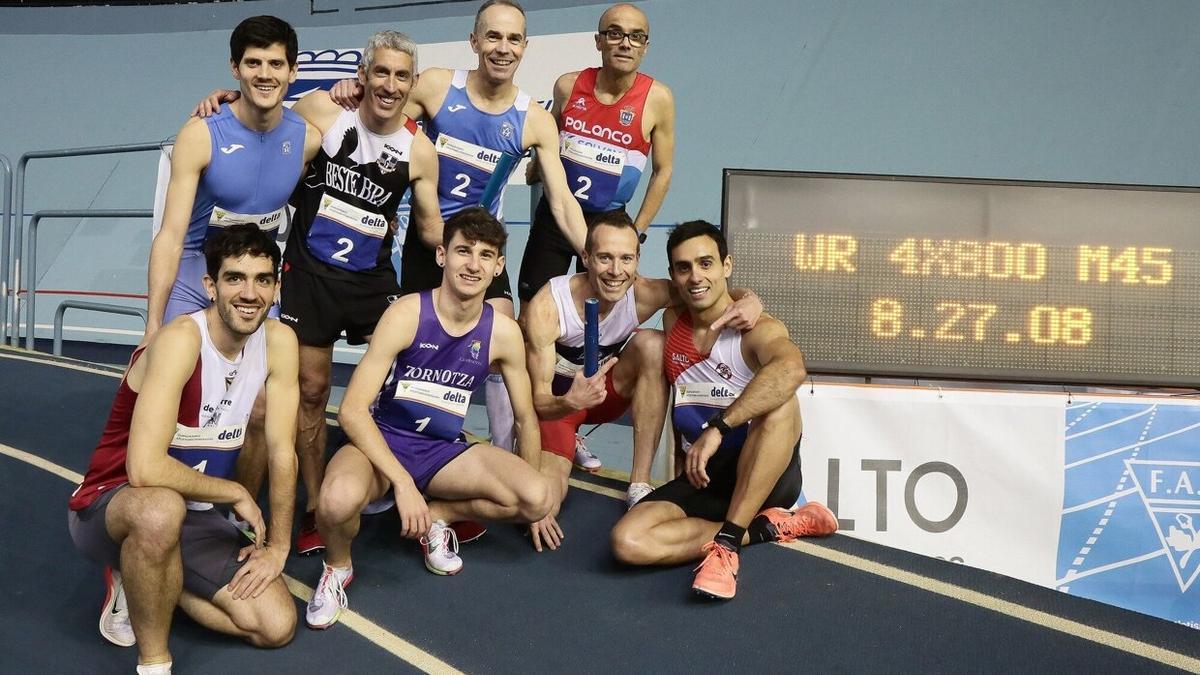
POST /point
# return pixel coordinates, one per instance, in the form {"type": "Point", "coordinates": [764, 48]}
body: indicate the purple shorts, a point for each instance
{"type": "Point", "coordinates": [421, 456]}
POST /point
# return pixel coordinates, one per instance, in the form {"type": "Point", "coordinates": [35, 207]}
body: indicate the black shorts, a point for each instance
{"type": "Point", "coordinates": [548, 254]}
{"type": "Point", "coordinates": [319, 308]}
{"type": "Point", "coordinates": [419, 270]}
{"type": "Point", "coordinates": [209, 544]}
{"type": "Point", "coordinates": [712, 502]}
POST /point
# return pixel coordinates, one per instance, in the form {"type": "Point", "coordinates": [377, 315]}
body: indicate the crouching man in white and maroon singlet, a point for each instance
{"type": "Point", "coordinates": [156, 500]}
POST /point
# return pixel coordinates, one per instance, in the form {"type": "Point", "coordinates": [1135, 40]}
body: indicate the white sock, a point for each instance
{"type": "Point", "coordinates": [499, 412]}
{"type": "Point", "coordinates": [341, 573]}
{"type": "Point", "coordinates": [163, 668]}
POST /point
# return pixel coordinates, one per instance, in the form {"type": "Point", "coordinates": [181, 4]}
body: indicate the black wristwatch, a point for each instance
{"type": "Point", "coordinates": [718, 422]}
{"type": "Point", "coordinates": [641, 237]}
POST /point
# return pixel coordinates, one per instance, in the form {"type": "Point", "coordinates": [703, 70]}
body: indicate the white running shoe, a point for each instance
{"type": "Point", "coordinates": [114, 615]}
{"type": "Point", "coordinates": [329, 599]}
{"type": "Point", "coordinates": [441, 549]}
{"type": "Point", "coordinates": [583, 458]}
{"type": "Point", "coordinates": [635, 493]}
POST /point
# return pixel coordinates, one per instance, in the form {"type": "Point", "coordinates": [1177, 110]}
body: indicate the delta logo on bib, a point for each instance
{"type": "Point", "coordinates": [1130, 527]}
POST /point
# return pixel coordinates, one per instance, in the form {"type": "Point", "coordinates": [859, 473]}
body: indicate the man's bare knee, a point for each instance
{"type": "Point", "coordinates": [314, 390]}
{"type": "Point", "coordinates": [154, 520]}
{"type": "Point", "coordinates": [630, 544]}
{"type": "Point", "coordinates": [535, 500]}
{"type": "Point", "coordinates": [276, 626]}
{"type": "Point", "coordinates": [647, 346]}
{"type": "Point", "coordinates": [341, 498]}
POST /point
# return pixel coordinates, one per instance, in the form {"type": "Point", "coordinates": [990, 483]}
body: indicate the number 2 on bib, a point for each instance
{"type": "Point", "coordinates": [347, 247]}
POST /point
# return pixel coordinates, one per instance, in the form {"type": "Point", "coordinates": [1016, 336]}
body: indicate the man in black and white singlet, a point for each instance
{"type": "Point", "coordinates": [154, 503]}
{"type": "Point", "coordinates": [735, 404]}
{"type": "Point", "coordinates": [632, 360]}
{"type": "Point", "coordinates": [476, 118]}
{"type": "Point", "coordinates": [338, 273]}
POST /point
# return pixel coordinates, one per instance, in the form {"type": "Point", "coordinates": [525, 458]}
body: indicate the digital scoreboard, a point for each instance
{"type": "Point", "coordinates": [978, 279]}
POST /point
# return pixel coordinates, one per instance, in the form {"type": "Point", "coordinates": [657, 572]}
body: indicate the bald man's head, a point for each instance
{"type": "Point", "coordinates": [620, 11]}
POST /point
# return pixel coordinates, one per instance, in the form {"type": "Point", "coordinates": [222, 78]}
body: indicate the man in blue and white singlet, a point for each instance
{"type": "Point", "coordinates": [736, 406]}
{"type": "Point", "coordinates": [403, 413]}
{"type": "Point", "coordinates": [475, 118]}
{"type": "Point", "coordinates": [238, 166]}
{"type": "Point", "coordinates": [629, 376]}
{"type": "Point", "coordinates": [153, 505]}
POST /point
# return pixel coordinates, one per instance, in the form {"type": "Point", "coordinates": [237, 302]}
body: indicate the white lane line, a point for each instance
{"type": "Point", "coordinates": [1123, 448]}
{"type": "Point", "coordinates": [1113, 423]}
{"type": "Point", "coordinates": [376, 634]}
{"type": "Point", "coordinates": [22, 355]}
{"type": "Point", "coordinates": [43, 464]}
{"type": "Point", "coordinates": [379, 635]}
{"type": "Point", "coordinates": [1034, 616]}
{"type": "Point", "coordinates": [598, 489]}
{"type": "Point", "coordinates": [1096, 502]}
{"type": "Point", "coordinates": [1072, 575]}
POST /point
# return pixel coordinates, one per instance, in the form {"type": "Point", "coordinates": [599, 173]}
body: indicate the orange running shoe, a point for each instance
{"type": "Point", "coordinates": [811, 520]}
{"type": "Point", "coordinates": [716, 577]}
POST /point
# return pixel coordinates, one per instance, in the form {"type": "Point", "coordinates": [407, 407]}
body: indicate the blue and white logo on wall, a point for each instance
{"type": "Point", "coordinates": [321, 70]}
{"type": "Point", "coordinates": [1130, 525]}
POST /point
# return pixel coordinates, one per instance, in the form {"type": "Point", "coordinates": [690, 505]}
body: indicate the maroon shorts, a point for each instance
{"type": "Point", "coordinates": [558, 436]}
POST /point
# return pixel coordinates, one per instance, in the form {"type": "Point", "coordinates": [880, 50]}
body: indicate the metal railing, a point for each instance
{"type": "Point", "coordinates": [30, 257]}
{"type": "Point", "coordinates": [6, 256]}
{"type": "Point", "coordinates": [92, 306]}
{"type": "Point", "coordinates": [13, 274]}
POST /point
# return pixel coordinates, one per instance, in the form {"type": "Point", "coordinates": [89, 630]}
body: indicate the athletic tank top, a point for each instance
{"type": "Point", "coordinates": [615, 329]}
{"type": "Point", "coordinates": [249, 177]}
{"type": "Point", "coordinates": [704, 384]}
{"type": "Point", "coordinates": [475, 149]}
{"type": "Point", "coordinates": [602, 147]}
{"type": "Point", "coordinates": [429, 387]}
{"type": "Point", "coordinates": [348, 199]}
{"type": "Point", "coordinates": [213, 410]}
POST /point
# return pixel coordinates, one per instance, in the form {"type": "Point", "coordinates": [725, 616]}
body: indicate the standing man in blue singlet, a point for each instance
{"type": "Point", "coordinates": [611, 120]}
{"type": "Point", "coordinates": [735, 404]}
{"type": "Point", "coordinates": [239, 166]}
{"type": "Point", "coordinates": [153, 504]}
{"type": "Point", "coordinates": [476, 119]}
{"type": "Point", "coordinates": [404, 410]}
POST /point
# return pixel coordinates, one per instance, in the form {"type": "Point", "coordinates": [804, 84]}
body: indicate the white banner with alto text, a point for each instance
{"type": "Point", "coordinates": [1097, 496]}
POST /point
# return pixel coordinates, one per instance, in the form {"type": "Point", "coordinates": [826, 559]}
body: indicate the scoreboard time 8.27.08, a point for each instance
{"type": "Point", "coordinates": [979, 279]}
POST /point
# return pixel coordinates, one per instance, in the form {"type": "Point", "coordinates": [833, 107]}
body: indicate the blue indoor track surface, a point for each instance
{"type": "Point", "coordinates": [832, 605]}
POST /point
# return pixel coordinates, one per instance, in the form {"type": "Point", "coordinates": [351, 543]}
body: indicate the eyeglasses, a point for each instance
{"type": "Point", "coordinates": [615, 36]}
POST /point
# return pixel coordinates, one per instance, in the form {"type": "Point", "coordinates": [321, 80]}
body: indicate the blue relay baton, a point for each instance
{"type": "Point", "coordinates": [591, 336]}
{"type": "Point", "coordinates": [496, 183]}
